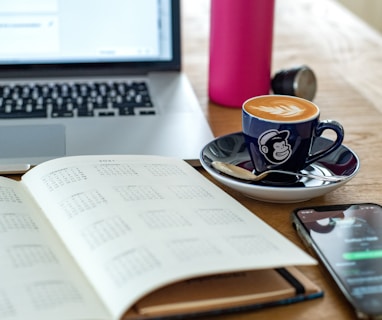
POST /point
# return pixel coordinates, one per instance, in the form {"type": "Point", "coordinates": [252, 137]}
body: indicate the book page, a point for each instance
{"type": "Point", "coordinates": [135, 223]}
{"type": "Point", "coordinates": [38, 279]}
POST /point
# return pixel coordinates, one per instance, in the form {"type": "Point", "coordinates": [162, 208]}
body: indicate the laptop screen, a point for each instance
{"type": "Point", "coordinates": [88, 35]}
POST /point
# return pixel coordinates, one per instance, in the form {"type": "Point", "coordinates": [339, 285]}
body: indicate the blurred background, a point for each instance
{"type": "Point", "coordinates": [370, 11]}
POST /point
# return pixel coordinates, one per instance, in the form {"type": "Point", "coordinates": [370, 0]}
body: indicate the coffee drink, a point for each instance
{"type": "Point", "coordinates": [280, 131]}
{"type": "Point", "coordinates": [281, 108]}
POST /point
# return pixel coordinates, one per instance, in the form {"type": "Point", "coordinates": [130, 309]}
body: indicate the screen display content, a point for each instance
{"type": "Point", "coordinates": [348, 239]}
{"type": "Point", "coordinates": [51, 31]}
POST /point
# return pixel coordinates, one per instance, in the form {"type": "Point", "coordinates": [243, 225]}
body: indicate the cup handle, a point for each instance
{"type": "Point", "coordinates": [321, 127]}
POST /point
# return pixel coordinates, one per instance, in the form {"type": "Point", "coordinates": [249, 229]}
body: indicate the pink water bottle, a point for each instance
{"type": "Point", "coordinates": [241, 34]}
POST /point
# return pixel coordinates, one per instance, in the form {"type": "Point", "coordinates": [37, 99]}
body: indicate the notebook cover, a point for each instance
{"type": "Point", "coordinates": [232, 292]}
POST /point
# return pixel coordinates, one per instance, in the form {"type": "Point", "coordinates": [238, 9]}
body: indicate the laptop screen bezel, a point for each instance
{"type": "Point", "coordinates": [101, 68]}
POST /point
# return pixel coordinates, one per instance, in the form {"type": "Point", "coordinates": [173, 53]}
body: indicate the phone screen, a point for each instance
{"type": "Point", "coordinates": [348, 238]}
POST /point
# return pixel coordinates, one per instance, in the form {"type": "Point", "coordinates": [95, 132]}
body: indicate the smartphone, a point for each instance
{"type": "Point", "coordinates": [348, 240]}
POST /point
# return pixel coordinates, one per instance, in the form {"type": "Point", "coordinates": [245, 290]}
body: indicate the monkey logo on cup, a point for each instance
{"type": "Point", "coordinates": [274, 146]}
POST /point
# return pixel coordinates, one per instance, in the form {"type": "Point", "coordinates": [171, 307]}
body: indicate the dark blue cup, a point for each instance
{"type": "Point", "coordinates": [279, 131]}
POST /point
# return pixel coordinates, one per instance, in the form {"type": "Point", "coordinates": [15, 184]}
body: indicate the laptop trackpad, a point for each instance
{"type": "Point", "coordinates": [24, 141]}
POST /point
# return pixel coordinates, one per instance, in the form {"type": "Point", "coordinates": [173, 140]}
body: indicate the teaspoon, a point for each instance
{"type": "Point", "coordinates": [241, 173]}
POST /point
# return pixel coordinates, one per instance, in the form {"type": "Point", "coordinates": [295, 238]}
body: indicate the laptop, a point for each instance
{"type": "Point", "coordinates": [94, 77]}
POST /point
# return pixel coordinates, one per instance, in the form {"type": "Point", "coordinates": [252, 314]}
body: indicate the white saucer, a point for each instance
{"type": "Point", "coordinates": [231, 148]}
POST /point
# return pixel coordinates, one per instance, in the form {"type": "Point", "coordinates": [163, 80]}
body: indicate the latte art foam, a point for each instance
{"type": "Point", "coordinates": [281, 108]}
{"type": "Point", "coordinates": [282, 111]}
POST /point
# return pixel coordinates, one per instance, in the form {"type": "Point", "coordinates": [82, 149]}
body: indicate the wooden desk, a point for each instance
{"type": "Point", "coordinates": [346, 56]}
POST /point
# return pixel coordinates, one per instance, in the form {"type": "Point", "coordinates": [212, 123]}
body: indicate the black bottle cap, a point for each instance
{"type": "Point", "coordinates": [298, 81]}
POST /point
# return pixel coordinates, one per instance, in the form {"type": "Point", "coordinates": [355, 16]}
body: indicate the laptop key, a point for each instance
{"type": "Point", "coordinates": [106, 113]}
{"type": "Point", "coordinates": [61, 113]}
{"type": "Point", "coordinates": [126, 111]}
{"type": "Point", "coordinates": [147, 112]}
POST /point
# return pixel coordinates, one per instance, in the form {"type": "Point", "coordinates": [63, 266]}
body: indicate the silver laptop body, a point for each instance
{"type": "Point", "coordinates": [59, 42]}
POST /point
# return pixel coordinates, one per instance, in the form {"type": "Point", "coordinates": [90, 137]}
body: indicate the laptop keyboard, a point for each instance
{"type": "Point", "coordinates": [75, 100]}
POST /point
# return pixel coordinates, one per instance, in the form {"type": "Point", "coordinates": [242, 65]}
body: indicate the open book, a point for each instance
{"type": "Point", "coordinates": [120, 237]}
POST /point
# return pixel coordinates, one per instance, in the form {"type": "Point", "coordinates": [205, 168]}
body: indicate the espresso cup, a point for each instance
{"type": "Point", "coordinates": [279, 132]}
